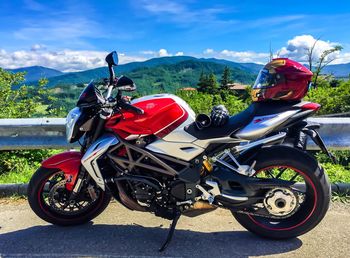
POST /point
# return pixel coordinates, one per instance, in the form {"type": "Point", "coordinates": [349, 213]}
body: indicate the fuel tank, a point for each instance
{"type": "Point", "coordinates": [163, 113]}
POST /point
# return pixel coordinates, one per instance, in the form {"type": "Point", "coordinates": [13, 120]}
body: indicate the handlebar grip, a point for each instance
{"type": "Point", "coordinates": [136, 109]}
{"type": "Point", "coordinates": [127, 106]}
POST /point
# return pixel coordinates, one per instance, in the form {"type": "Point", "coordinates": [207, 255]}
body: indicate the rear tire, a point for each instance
{"type": "Point", "coordinates": [314, 208]}
{"type": "Point", "coordinates": [47, 213]}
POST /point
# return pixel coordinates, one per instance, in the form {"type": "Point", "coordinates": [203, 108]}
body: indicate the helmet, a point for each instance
{"type": "Point", "coordinates": [282, 79]}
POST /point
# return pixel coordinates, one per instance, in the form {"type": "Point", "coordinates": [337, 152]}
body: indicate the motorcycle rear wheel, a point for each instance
{"type": "Point", "coordinates": [315, 201]}
{"type": "Point", "coordinates": [48, 198]}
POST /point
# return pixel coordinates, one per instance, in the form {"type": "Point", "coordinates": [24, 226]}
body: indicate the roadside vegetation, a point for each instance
{"type": "Point", "coordinates": [18, 101]}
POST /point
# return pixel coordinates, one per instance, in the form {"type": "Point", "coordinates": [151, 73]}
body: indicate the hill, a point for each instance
{"type": "Point", "coordinates": [170, 77]}
{"type": "Point", "coordinates": [338, 70]}
{"type": "Point", "coordinates": [34, 73]}
{"type": "Point", "coordinates": [158, 75]}
{"type": "Point", "coordinates": [101, 72]}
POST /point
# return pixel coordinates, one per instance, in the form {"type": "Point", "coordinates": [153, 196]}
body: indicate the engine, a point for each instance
{"type": "Point", "coordinates": [146, 194]}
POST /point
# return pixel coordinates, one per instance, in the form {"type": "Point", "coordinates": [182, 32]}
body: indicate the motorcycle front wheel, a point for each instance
{"type": "Point", "coordinates": [49, 199]}
{"type": "Point", "coordinates": [288, 212]}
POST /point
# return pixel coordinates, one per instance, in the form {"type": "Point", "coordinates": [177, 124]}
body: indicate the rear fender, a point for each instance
{"type": "Point", "coordinates": [69, 162]}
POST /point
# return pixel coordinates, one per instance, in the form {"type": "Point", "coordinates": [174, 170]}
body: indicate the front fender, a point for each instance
{"type": "Point", "coordinates": [69, 162]}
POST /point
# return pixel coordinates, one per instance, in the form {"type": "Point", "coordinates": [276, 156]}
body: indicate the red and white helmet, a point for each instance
{"type": "Point", "coordinates": [282, 79]}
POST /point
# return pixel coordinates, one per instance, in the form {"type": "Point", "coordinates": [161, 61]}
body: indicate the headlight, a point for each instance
{"type": "Point", "coordinates": [71, 121]}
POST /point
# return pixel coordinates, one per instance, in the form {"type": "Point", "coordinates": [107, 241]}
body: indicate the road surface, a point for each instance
{"type": "Point", "coordinates": [119, 232]}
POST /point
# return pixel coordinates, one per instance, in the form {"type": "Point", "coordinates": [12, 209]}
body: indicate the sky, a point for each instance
{"type": "Point", "coordinates": [76, 35]}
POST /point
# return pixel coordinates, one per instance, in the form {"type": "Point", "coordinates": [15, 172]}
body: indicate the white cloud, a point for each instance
{"type": "Point", "coordinates": [71, 60]}
{"type": "Point", "coordinates": [162, 6]}
{"type": "Point", "coordinates": [208, 51]}
{"type": "Point", "coordinates": [148, 52]}
{"type": "Point", "coordinates": [77, 60]}
{"type": "Point", "coordinates": [163, 52]}
{"type": "Point", "coordinates": [37, 47]}
{"type": "Point", "coordinates": [245, 56]}
{"type": "Point", "coordinates": [297, 48]}
{"type": "Point", "coordinates": [237, 56]}
{"type": "Point", "coordinates": [181, 12]}
{"type": "Point", "coordinates": [343, 58]}
{"type": "Point", "coordinates": [65, 60]}
{"type": "Point", "coordinates": [33, 5]}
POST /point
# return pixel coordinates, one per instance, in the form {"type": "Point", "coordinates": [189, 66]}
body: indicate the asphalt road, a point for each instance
{"type": "Point", "coordinates": [119, 232]}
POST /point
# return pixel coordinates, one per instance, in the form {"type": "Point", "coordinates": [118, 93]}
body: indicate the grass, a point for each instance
{"type": "Point", "coordinates": [341, 197]}
{"type": "Point", "coordinates": [336, 174]}
{"type": "Point", "coordinates": [22, 176]}
{"type": "Point", "coordinates": [20, 165]}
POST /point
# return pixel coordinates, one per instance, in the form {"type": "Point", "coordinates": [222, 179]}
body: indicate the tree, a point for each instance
{"type": "Point", "coordinates": [322, 61]}
{"type": "Point", "coordinates": [21, 102]}
{"type": "Point", "coordinates": [213, 86]}
{"type": "Point", "coordinates": [273, 55]}
{"type": "Point", "coordinates": [225, 79]}
{"type": "Point", "coordinates": [310, 54]}
{"type": "Point", "coordinates": [18, 101]}
{"type": "Point", "coordinates": [203, 83]}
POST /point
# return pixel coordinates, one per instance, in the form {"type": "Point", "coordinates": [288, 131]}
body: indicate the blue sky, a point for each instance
{"type": "Point", "coordinates": [74, 35]}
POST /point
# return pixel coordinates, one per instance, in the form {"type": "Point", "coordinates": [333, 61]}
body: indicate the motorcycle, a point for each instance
{"type": "Point", "coordinates": [153, 155]}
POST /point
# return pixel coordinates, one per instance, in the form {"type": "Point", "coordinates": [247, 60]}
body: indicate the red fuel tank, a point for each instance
{"type": "Point", "coordinates": [162, 115]}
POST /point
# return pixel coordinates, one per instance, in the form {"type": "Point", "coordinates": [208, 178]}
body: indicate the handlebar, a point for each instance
{"type": "Point", "coordinates": [128, 106]}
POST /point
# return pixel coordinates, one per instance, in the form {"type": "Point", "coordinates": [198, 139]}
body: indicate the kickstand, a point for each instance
{"type": "Point", "coordinates": [171, 232]}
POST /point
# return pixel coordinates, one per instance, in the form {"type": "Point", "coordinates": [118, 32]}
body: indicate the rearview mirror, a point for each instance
{"type": "Point", "coordinates": [112, 59]}
{"type": "Point", "coordinates": [126, 84]}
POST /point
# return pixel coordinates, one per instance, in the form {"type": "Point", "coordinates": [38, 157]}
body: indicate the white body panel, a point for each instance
{"type": "Point", "coordinates": [205, 143]}
{"type": "Point", "coordinates": [89, 160]}
{"type": "Point", "coordinates": [262, 125]}
{"type": "Point", "coordinates": [181, 150]}
{"type": "Point", "coordinates": [178, 143]}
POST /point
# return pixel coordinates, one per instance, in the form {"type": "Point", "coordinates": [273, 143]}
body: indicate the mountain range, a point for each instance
{"type": "Point", "coordinates": [34, 73]}
{"type": "Point", "coordinates": [164, 73]}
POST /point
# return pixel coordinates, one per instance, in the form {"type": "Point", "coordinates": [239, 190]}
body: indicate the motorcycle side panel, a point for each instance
{"type": "Point", "coordinates": [181, 150]}
{"type": "Point", "coordinates": [262, 125]}
{"type": "Point", "coordinates": [95, 151]}
{"type": "Point", "coordinates": [69, 162]}
{"type": "Point", "coordinates": [163, 114]}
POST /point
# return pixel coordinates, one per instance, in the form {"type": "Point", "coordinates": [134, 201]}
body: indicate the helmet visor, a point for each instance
{"type": "Point", "coordinates": [265, 79]}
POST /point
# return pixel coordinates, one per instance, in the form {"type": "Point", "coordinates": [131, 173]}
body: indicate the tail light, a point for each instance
{"type": "Point", "coordinates": [311, 106]}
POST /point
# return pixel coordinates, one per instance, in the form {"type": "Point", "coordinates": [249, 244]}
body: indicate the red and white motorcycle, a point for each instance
{"type": "Point", "coordinates": [152, 155]}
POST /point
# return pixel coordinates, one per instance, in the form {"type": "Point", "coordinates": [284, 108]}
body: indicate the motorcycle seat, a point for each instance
{"type": "Point", "coordinates": [233, 124]}
{"type": "Point", "coordinates": [242, 119]}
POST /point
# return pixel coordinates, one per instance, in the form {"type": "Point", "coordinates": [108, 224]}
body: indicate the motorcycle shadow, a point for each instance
{"type": "Point", "coordinates": [134, 240]}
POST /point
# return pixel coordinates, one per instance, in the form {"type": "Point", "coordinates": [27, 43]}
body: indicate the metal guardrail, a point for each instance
{"type": "Point", "coordinates": [33, 133]}
{"type": "Point", "coordinates": [49, 133]}
{"type": "Point", "coordinates": [335, 131]}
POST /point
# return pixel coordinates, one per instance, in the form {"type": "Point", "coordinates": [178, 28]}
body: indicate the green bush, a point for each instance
{"type": "Point", "coordinates": [337, 173]}
{"type": "Point", "coordinates": [17, 101]}
{"type": "Point", "coordinates": [203, 103]}
{"type": "Point", "coordinates": [333, 99]}
{"type": "Point", "coordinates": [343, 158]}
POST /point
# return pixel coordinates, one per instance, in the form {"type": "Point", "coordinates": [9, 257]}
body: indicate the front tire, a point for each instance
{"type": "Point", "coordinates": [310, 212]}
{"type": "Point", "coordinates": [41, 185]}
